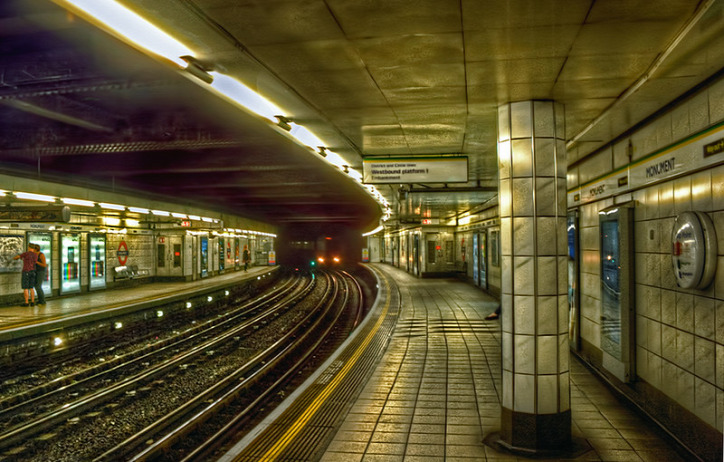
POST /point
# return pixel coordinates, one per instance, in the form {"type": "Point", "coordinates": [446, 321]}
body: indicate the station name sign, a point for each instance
{"type": "Point", "coordinates": [696, 152]}
{"type": "Point", "coordinates": [416, 170]}
{"type": "Point", "coordinates": [36, 214]}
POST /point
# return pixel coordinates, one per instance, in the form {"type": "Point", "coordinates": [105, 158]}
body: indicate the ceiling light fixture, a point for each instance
{"type": "Point", "coordinates": [82, 202]}
{"type": "Point", "coordinates": [283, 122]}
{"type": "Point", "coordinates": [34, 197]}
{"type": "Point", "coordinates": [131, 27]}
{"type": "Point", "coordinates": [244, 96]}
{"type": "Point", "coordinates": [197, 69]}
{"type": "Point", "coordinates": [105, 205]}
{"type": "Point", "coordinates": [374, 231]}
{"type": "Point", "coordinates": [304, 136]}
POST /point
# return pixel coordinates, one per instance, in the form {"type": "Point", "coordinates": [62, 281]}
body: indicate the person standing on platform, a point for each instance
{"type": "Point", "coordinates": [246, 257]}
{"type": "Point", "coordinates": [41, 267]}
{"type": "Point", "coordinates": [27, 280]}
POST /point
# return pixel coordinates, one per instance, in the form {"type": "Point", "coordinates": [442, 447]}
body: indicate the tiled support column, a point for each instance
{"type": "Point", "coordinates": [536, 413]}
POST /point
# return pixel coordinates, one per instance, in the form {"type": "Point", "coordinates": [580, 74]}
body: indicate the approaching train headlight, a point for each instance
{"type": "Point", "coordinates": [336, 259]}
{"type": "Point", "coordinates": [320, 259]}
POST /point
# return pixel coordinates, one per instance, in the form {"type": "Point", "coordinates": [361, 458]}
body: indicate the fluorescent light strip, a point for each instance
{"type": "Point", "coordinates": [245, 96]}
{"type": "Point", "coordinates": [305, 137]}
{"type": "Point", "coordinates": [34, 197]}
{"type": "Point", "coordinates": [194, 217]}
{"type": "Point", "coordinates": [208, 220]}
{"type": "Point", "coordinates": [376, 230]}
{"type": "Point", "coordinates": [139, 210]}
{"type": "Point", "coordinates": [106, 205]}
{"type": "Point", "coordinates": [133, 28]}
{"type": "Point", "coordinates": [161, 213]}
{"type": "Point", "coordinates": [83, 202]}
{"type": "Point", "coordinates": [144, 34]}
{"type": "Point", "coordinates": [357, 176]}
{"type": "Point", "coordinates": [178, 215]}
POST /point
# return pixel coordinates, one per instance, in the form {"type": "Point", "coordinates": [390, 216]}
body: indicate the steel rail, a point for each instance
{"type": "Point", "coordinates": [205, 405]}
{"type": "Point", "coordinates": [28, 429]}
{"type": "Point", "coordinates": [204, 450]}
{"type": "Point", "coordinates": [16, 403]}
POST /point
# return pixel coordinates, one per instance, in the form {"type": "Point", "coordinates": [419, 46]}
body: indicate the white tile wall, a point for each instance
{"type": "Point", "coordinates": [705, 401]}
{"type": "Point", "coordinates": [705, 359]}
{"type": "Point", "coordinates": [685, 350]}
{"type": "Point", "coordinates": [685, 389]}
{"type": "Point", "coordinates": [669, 378]}
{"type": "Point", "coordinates": [719, 372]}
{"type": "Point", "coordinates": [682, 195]}
{"type": "Point", "coordinates": [704, 317]}
{"type": "Point", "coordinates": [525, 354]}
{"type": "Point", "coordinates": [716, 102]}
{"type": "Point", "coordinates": [524, 393]}
{"type": "Point", "coordinates": [620, 154]}
{"type": "Point", "coordinates": [720, 409]}
{"type": "Point", "coordinates": [680, 126]}
{"type": "Point", "coordinates": [699, 112]}
{"type": "Point", "coordinates": [668, 343]}
{"type": "Point", "coordinates": [547, 394]}
{"type": "Point", "coordinates": [653, 330]}
{"type": "Point", "coordinates": [642, 332]}
{"type": "Point", "coordinates": [654, 369]}
{"type": "Point", "coordinates": [547, 314]}
{"type": "Point", "coordinates": [719, 315]}
{"type": "Point", "coordinates": [595, 166]}
{"type": "Point", "coordinates": [679, 333]}
{"type": "Point", "coordinates": [685, 311]}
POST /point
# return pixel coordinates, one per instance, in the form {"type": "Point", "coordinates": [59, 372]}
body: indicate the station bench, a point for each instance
{"type": "Point", "coordinates": [129, 272]}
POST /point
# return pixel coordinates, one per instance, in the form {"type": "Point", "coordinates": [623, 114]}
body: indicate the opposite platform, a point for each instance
{"type": "Point", "coordinates": [18, 321]}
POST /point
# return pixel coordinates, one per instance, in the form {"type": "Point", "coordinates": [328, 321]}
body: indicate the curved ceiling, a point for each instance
{"type": "Point", "coordinates": [372, 79]}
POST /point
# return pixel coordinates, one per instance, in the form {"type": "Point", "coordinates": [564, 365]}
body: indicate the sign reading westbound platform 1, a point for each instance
{"type": "Point", "coordinates": [416, 170]}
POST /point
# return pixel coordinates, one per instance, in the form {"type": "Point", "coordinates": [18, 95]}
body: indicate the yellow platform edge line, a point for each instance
{"type": "Point", "coordinates": [302, 420]}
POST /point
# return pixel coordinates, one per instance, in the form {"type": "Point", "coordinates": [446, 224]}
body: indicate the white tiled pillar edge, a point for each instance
{"type": "Point", "coordinates": [532, 198]}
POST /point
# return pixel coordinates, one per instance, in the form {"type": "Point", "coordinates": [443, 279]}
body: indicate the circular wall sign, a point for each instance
{"type": "Point", "coordinates": [122, 253]}
{"type": "Point", "coordinates": [693, 252]}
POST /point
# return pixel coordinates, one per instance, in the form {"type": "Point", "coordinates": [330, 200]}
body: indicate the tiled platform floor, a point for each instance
{"type": "Point", "coordinates": [436, 392]}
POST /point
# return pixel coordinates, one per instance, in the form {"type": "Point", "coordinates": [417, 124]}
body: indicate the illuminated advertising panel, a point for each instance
{"type": "Point", "coordinates": [204, 256]}
{"type": "Point", "coordinates": [69, 263]}
{"type": "Point", "coordinates": [97, 261]}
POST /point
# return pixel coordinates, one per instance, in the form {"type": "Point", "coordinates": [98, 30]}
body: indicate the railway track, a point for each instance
{"type": "Point", "coordinates": [150, 403]}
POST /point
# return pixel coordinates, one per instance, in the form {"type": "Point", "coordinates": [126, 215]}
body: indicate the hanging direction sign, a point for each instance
{"type": "Point", "coordinates": [416, 170]}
